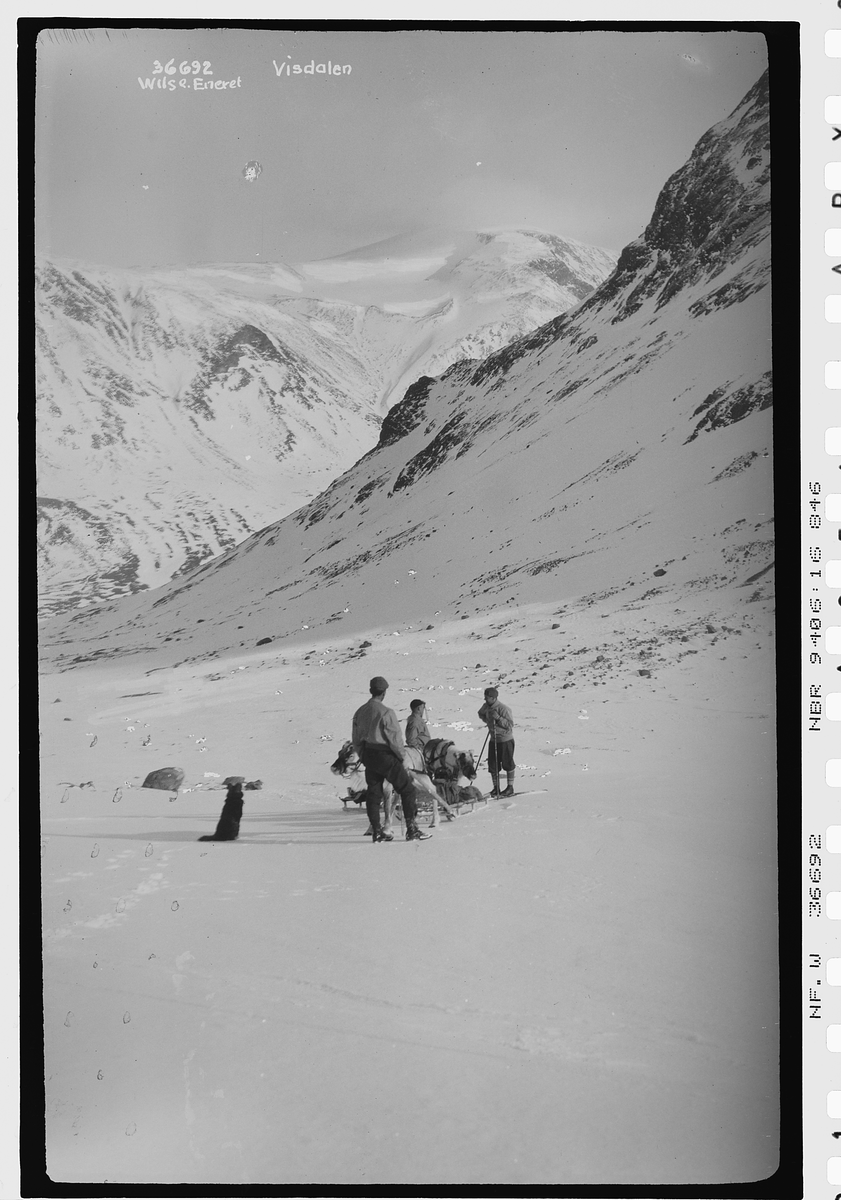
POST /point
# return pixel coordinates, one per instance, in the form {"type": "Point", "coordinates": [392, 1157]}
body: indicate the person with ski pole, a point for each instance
{"type": "Point", "coordinates": [500, 723]}
{"type": "Point", "coordinates": [378, 741]}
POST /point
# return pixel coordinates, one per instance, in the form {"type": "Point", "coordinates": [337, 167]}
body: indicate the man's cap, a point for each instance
{"type": "Point", "coordinates": [492, 692]}
{"type": "Point", "coordinates": [378, 684]}
{"type": "Point", "coordinates": [417, 704]}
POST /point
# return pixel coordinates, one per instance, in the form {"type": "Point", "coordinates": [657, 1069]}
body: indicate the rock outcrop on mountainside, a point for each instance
{"type": "Point", "coordinates": [622, 449]}
{"type": "Point", "coordinates": [180, 410]}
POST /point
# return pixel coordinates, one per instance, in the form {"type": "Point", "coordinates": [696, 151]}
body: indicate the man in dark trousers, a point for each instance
{"type": "Point", "coordinates": [417, 730]}
{"type": "Point", "coordinates": [378, 741]}
{"type": "Point", "coordinates": [500, 725]}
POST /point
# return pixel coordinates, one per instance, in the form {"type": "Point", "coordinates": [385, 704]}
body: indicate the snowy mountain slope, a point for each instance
{"type": "Point", "coordinates": [475, 292]}
{"type": "Point", "coordinates": [622, 450]}
{"type": "Point", "coordinates": [179, 410]}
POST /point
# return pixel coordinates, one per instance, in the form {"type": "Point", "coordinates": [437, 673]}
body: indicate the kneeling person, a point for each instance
{"type": "Point", "coordinates": [378, 741]}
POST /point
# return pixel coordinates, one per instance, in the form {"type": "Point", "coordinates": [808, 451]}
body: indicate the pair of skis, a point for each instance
{"type": "Point", "coordinates": [535, 792]}
{"type": "Point", "coordinates": [469, 805]}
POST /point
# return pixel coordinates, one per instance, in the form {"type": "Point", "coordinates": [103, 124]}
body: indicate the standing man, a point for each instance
{"type": "Point", "coordinates": [378, 741]}
{"type": "Point", "coordinates": [417, 730]}
{"type": "Point", "coordinates": [500, 725]}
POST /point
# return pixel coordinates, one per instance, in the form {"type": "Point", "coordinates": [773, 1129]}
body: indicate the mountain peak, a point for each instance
{"type": "Point", "coordinates": [182, 409]}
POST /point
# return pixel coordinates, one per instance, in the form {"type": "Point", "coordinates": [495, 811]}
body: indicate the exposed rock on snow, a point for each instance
{"type": "Point", "coordinates": [166, 779]}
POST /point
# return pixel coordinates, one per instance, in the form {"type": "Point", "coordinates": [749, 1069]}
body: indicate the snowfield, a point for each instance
{"type": "Point", "coordinates": [477, 1008]}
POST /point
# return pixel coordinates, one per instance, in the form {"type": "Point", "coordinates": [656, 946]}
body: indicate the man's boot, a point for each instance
{"type": "Point", "coordinates": [509, 791]}
{"type": "Point", "coordinates": [372, 807]}
{"type": "Point", "coordinates": [495, 793]}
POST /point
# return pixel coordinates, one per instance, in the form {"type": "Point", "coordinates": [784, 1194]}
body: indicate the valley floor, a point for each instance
{"type": "Point", "coordinates": [576, 986]}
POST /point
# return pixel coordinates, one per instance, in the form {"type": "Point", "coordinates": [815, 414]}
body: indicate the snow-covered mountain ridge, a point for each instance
{"type": "Point", "coordinates": [180, 409]}
{"type": "Point", "coordinates": [619, 454]}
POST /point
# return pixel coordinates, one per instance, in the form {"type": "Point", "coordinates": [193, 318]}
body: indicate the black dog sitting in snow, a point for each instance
{"type": "Point", "coordinates": [228, 828]}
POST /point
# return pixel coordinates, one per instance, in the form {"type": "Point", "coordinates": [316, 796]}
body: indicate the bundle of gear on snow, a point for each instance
{"type": "Point", "coordinates": [452, 794]}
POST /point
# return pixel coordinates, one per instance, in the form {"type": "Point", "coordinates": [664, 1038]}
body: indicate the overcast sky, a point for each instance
{"type": "Point", "coordinates": [573, 133]}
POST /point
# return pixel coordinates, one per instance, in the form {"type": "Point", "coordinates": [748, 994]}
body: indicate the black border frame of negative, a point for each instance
{"type": "Point", "coordinates": [784, 68]}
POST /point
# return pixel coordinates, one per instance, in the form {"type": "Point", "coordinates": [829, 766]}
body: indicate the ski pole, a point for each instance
{"type": "Point", "coordinates": [482, 751]}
